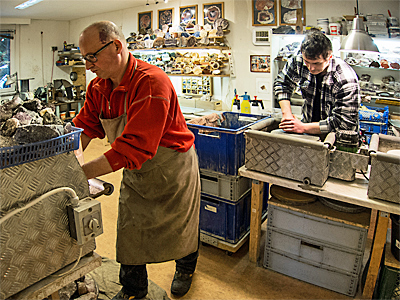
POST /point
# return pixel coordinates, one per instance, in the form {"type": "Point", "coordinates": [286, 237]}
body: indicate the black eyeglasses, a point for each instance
{"type": "Point", "coordinates": [91, 57]}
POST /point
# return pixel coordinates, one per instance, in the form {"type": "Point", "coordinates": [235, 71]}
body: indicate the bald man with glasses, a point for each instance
{"type": "Point", "coordinates": [135, 106]}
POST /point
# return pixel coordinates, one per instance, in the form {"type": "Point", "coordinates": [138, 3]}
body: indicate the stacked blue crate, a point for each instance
{"type": "Point", "coordinates": [373, 120]}
{"type": "Point", "coordinates": [225, 196]}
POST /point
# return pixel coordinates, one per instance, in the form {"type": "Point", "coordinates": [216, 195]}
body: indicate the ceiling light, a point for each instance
{"type": "Point", "coordinates": [165, 1]}
{"type": "Point", "coordinates": [28, 3]}
{"type": "Point", "coordinates": [156, 2]}
{"type": "Point", "coordinates": [147, 4]}
{"type": "Point", "coordinates": [358, 40]}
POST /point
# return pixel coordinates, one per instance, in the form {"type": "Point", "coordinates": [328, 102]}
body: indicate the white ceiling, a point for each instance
{"type": "Point", "coordinates": [65, 10]}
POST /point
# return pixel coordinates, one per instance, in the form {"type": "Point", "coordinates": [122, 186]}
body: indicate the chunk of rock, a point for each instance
{"type": "Point", "coordinates": [9, 127]}
{"type": "Point", "coordinates": [23, 118]}
{"type": "Point", "coordinates": [33, 105]}
{"type": "Point", "coordinates": [36, 133]}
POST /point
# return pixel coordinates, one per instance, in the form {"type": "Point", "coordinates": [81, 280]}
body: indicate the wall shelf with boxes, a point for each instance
{"type": "Point", "coordinates": [188, 61]}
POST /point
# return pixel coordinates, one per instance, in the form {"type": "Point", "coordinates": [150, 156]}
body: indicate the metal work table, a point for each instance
{"type": "Point", "coordinates": [354, 192]}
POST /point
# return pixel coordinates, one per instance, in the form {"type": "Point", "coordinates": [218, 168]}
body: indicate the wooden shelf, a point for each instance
{"type": "Point", "coordinates": [201, 75]}
{"type": "Point", "coordinates": [181, 48]}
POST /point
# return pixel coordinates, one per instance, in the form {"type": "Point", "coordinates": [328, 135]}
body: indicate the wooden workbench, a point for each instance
{"type": "Point", "coordinates": [53, 283]}
{"type": "Point", "coordinates": [354, 192]}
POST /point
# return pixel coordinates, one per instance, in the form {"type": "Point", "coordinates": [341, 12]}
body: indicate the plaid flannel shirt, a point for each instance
{"type": "Point", "coordinates": [340, 93]}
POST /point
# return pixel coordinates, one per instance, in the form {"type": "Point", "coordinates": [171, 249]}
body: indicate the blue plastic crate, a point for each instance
{"type": "Point", "coordinates": [371, 127]}
{"type": "Point", "coordinates": [226, 220]}
{"type": "Point", "coordinates": [379, 115]}
{"type": "Point", "coordinates": [17, 155]}
{"type": "Point", "coordinates": [222, 149]}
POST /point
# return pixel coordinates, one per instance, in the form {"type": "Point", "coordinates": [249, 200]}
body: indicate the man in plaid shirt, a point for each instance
{"type": "Point", "coordinates": [328, 85]}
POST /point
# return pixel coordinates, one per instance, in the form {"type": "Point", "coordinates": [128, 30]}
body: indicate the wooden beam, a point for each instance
{"type": "Point", "coordinates": [257, 194]}
{"type": "Point", "coordinates": [376, 254]}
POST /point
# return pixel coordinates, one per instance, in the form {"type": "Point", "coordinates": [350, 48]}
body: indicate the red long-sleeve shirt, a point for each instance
{"type": "Point", "coordinates": [154, 115]}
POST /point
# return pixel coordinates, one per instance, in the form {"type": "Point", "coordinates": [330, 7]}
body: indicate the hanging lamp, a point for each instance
{"type": "Point", "coordinates": [358, 40]}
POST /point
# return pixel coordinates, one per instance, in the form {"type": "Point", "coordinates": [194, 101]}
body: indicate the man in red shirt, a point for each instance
{"type": "Point", "coordinates": [135, 105]}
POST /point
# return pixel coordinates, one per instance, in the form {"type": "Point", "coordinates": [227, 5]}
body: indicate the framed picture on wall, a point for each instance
{"type": "Point", "coordinates": [287, 12]}
{"type": "Point", "coordinates": [264, 12]}
{"type": "Point", "coordinates": [145, 20]}
{"type": "Point", "coordinates": [260, 63]}
{"type": "Point", "coordinates": [188, 14]}
{"type": "Point", "coordinates": [212, 11]}
{"type": "Point", "coordinates": [165, 17]}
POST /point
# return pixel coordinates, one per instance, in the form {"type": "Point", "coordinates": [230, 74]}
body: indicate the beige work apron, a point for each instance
{"type": "Point", "coordinates": [159, 205]}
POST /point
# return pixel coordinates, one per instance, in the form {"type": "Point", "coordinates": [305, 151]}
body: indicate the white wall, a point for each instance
{"type": "Point", "coordinates": [238, 12]}
{"type": "Point", "coordinates": [35, 55]}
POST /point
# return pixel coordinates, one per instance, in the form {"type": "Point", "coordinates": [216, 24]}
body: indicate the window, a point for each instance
{"type": "Point", "coordinates": [7, 35]}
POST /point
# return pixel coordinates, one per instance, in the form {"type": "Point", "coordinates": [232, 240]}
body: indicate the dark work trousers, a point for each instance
{"type": "Point", "coordinates": [134, 277]}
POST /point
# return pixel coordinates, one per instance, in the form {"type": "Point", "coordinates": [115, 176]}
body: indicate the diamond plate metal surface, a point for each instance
{"type": "Point", "coordinates": [384, 180]}
{"type": "Point", "coordinates": [343, 165]}
{"type": "Point", "coordinates": [36, 242]}
{"type": "Point", "coordinates": [286, 160]}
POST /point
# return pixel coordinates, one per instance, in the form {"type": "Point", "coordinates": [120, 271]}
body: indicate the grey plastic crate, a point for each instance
{"type": "Point", "coordinates": [321, 223]}
{"type": "Point", "coordinates": [223, 186]}
{"type": "Point", "coordinates": [341, 282]}
{"type": "Point", "coordinates": [326, 256]}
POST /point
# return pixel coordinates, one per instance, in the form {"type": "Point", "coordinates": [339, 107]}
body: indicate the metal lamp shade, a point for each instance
{"type": "Point", "coordinates": [358, 39]}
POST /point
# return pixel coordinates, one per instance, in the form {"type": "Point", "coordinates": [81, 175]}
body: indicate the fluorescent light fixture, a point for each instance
{"type": "Point", "coordinates": [28, 3]}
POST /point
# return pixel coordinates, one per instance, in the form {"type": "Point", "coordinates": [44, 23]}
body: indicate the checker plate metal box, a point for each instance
{"type": "Point", "coordinates": [290, 157]}
{"type": "Point", "coordinates": [36, 242]}
{"type": "Point", "coordinates": [385, 168]}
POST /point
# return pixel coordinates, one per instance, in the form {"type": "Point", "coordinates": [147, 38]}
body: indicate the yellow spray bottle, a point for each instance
{"type": "Point", "coordinates": [245, 107]}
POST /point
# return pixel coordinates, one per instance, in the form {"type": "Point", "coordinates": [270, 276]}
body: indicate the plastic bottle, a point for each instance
{"type": "Point", "coordinates": [245, 108]}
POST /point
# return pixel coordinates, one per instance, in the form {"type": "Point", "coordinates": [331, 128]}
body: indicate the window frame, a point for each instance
{"type": "Point", "coordinates": [13, 57]}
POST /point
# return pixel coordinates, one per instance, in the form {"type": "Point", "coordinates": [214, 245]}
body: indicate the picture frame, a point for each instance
{"type": "Point", "coordinates": [287, 11]}
{"type": "Point", "coordinates": [165, 17]}
{"type": "Point", "coordinates": [260, 63]}
{"type": "Point", "coordinates": [264, 13]}
{"type": "Point", "coordinates": [212, 11]}
{"type": "Point", "coordinates": [145, 20]}
{"type": "Point", "coordinates": [188, 13]}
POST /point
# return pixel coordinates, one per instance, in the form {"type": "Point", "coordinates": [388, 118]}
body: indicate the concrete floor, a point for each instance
{"type": "Point", "coordinates": [218, 275]}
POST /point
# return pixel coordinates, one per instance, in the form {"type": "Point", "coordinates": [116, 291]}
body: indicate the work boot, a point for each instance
{"type": "Point", "coordinates": [122, 295]}
{"type": "Point", "coordinates": [181, 283]}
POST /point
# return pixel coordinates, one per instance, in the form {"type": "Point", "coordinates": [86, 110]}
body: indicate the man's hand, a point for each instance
{"type": "Point", "coordinates": [292, 124]}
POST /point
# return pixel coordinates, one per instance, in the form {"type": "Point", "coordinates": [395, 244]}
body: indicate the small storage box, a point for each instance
{"type": "Point", "coordinates": [226, 220]}
{"type": "Point", "coordinates": [225, 187]}
{"type": "Point", "coordinates": [287, 156]}
{"type": "Point", "coordinates": [221, 149]}
{"type": "Point", "coordinates": [385, 168]}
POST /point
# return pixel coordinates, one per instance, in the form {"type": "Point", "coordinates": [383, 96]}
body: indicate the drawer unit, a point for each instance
{"type": "Point", "coordinates": [226, 187]}
{"type": "Point", "coordinates": [341, 282]}
{"type": "Point", "coordinates": [321, 223]}
{"type": "Point", "coordinates": [316, 244]}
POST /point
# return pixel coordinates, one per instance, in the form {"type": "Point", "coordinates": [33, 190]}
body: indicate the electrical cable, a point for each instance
{"type": "Point", "coordinates": [365, 176]}
{"type": "Point", "coordinates": [73, 267]}
{"type": "Point", "coordinates": [74, 201]}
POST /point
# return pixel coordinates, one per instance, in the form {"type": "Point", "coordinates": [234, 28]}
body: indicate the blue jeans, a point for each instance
{"type": "Point", "coordinates": [134, 277]}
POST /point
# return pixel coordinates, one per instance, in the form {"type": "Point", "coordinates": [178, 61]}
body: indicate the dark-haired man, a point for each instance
{"type": "Point", "coordinates": [329, 87]}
